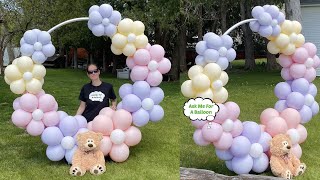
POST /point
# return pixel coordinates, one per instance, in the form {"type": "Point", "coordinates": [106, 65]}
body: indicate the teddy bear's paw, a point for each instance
{"type": "Point", "coordinates": [288, 174]}
{"type": "Point", "coordinates": [98, 169]}
{"type": "Point", "coordinates": [302, 167]}
{"type": "Point", "coordinates": [76, 171]}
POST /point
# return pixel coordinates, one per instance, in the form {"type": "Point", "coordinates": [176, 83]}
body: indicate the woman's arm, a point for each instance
{"type": "Point", "coordinates": [114, 104]}
{"type": "Point", "coordinates": [81, 108]}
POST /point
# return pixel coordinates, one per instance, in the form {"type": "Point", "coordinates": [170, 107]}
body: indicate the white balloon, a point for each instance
{"type": "Point", "coordinates": [117, 136]}
{"type": "Point", "coordinates": [48, 50]}
{"type": "Point", "coordinates": [294, 136]}
{"type": "Point", "coordinates": [309, 63]}
{"type": "Point", "coordinates": [256, 150]}
{"type": "Point", "coordinates": [44, 37]}
{"type": "Point", "coordinates": [37, 46]}
{"type": "Point", "coordinates": [227, 125]}
{"type": "Point", "coordinates": [27, 76]}
{"type": "Point", "coordinates": [38, 57]}
{"type": "Point", "coordinates": [131, 38]}
{"type": "Point", "coordinates": [153, 65]}
{"type": "Point", "coordinates": [217, 84]}
{"type": "Point", "coordinates": [37, 114]}
{"type": "Point", "coordinates": [68, 142]}
{"type": "Point", "coordinates": [309, 99]}
{"type": "Point", "coordinates": [147, 104]}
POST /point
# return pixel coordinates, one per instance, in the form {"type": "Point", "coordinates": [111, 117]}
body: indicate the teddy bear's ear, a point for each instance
{"type": "Point", "coordinates": [270, 143]}
{"type": "Point", "coordinates": [100, 136]}
{"type": "Point", "coordinates": [79, 137]}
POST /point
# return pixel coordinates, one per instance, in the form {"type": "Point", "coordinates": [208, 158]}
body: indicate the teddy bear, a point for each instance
{"type": "Point", "coordinates": [88, 156]}
{"type": "Point", "coordinates": [282, 162]}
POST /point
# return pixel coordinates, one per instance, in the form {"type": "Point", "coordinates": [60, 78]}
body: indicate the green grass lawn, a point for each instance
{"type": "Point", "coordinates": [253, 92]}
{"type": "Point", "coordinates": [23, 156]}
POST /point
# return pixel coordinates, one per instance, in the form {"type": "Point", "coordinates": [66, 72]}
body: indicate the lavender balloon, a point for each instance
{"type": "Point", "coordinates": [313, 90]}
{"type": "Point", "coordinates": [52, 136]}
{"type": "Point", "coordinates": [224, 155]}
{"type": "Point", "coordinates": [125, 89]}
{"type": "Point", "coordinates": [280, 105]}
{"type": "Point", "coordinates": [141, 89]}
{"type": "Point", "coordinates": [69, 154]}
{"type": "Point", "coordinates": [260, 164]}
{"type": "Point", "coordinates": [140, 117]}
{"type": "Point", "coordinates": [306, 114]}
{"type": "Point", "coordinates": [315, 108]}
{"type": "Point", "coordinates": [156, 94]}
{"type": "Point", "coordinates": [282, 90]}
{"type": "Point", "coordinates": [156, 113]}
{"type": "Point", "coordinates": [264, 141]}
{"type": "Point", "coordinates": [295, 100]}
{"type": "Point", "coordinates": [55, 153]}
{"type": "Point", "coordinates": [131, 103]}
{"type": "Point", "coordinates": [252, 131]}
{"type": "Point", "coordinates": [242, 165]}
{"type": "Point", "coordinates": [240, 146]}
{"type": "Point", "coordinates": [300, 85]}
{"type": "Point", "coordinates": [69, 126]}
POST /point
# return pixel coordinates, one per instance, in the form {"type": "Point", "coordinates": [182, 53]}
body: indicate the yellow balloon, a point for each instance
{"type": "Point", "coordinates": [141, 41]}
{"type": "Point", "coordinates": [125, 26]}
{"type": "Point", "coordinates": [286, 27]}
{"type": "Point", "coordinates": [42, 81]}
{"type": "Point", "coordinates": [300, 40]}
{"type": "Point", "coordinates": [129, 49]}
{"type": "Point", "coordinates": [39, 71]}
{"type": "Point", "coordinates": [282, 41]}
{"type": "Point", "coordinates": [34, 86]}
{"type": "Point", "coordinates": [7, 80]}
{"type": "Point", "coordinates": [25, 64]}
{"type": "Point", "coordinates": [200, 82]}
{"type": "Point", "coordinates": [115, 50]}
{"type": "Point", "coordinates": [12, 73]}
{"type": "Point", "coordinates": [289, 50]}
{"type": "Point", "coordinates": [119, 41]}
{"type": "Point", "coordinates": [18, 86]}
{"type": "Point", "coordinates": [213, 71]}
{"type": "Point", "coordinates": [272, 48]}
{"type": "Point", "coordinates": [186, 89]}
{"type": "Point", "coordinates": [296, 27]}
{"type": "Point", "coordinates": [205, 94]}
{"type": "Point", "coordinates": [194, 70]}
{"type": "Point", "coordinates": [138, 27]}
{"type": "Point", "coordinates": [271, 38]}
{"type": "Point", "coordinates": [220, 96]}
{"type": "Point", "coordinates": [15, 61]}
{"type": "Point", "coordinates": [224, 78]}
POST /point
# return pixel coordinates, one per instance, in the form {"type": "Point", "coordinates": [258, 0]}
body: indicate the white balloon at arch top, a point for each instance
{"type": "Point", "coordinates": [37, 45]}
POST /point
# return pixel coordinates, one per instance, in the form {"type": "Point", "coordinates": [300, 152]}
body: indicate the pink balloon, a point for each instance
{"type": "Point", "coordinates": [154, 78]}
{"type": "Point", "coordinates": [105, 145]}
{"type": "Point", "coordinates": [122, 119]}
{"type": "Point", "coordinates": [285, 61]}
{"type": "Point", "coordinates": [130, 63]}
{"type": "Point", "coordinates": [198, 124]}
{"type": "Point", "coordinates": [300, 55]}
{"type": "Point", "coordinates": [82, 121]}
{"type": "Point", "coordinates": [285, 74]}
{"type": "Point", "coordinates": [297, 70]}
{"type": "Point", "coordinates": [198, 138]}
{"type": "Point", "coordinates": [35, 128]}
{"type": "Point", "coordinates": [233, 110]}
{"type": "Point", "coordinates": [292, 117]}
{"type": "Point", "coordinates": [107, 111]}
{"type": "Point", "coordinates": [296, 150]}
{"type": "Point", "coordinates": [148, 46]}
{"type": "Point", "coordinates": [237, 128]}
{"type": "Point", "coordinates": [42, 92]}
{"type": "Point", "coordinates": [263, 127]}
{"type": "Point", "coordinates": [133, 136]}
{"type": "Point", "coordinates": [55, 107]}
{"type": "Point", "coordinates": [316, 62]}
{"type": "Point", "coordinates": [139, 73]}
{"type": "Point", "coordinates": [119, 152]}
{"type": "Point", "coordinates": [225, 141]}
{"type": "Point", "coordinates": [47, 103]}
{"type": "Point", "coordinates": [21, 118]}
{"type": "Point", "coordinates": [310, 74]}
{"type": "Point", "coordinates": [222, 114]}
{"type": "Point", "coordinates": [142, 57]}
{"type": "Point", "coordinates": [276, 125]}
{"type": "Point", "coordinates": [164, 66]}
{"type": "Point", "coordinates": [156, 52]}
{"type": "Point", "coordinates": [90, 126]}
{"type": "Point", "coordinates": [16, 103]}
{"type": "Point", "coordinates": [102, 124]}
{"type": "Point", "coordinates": [267, 114]}
{"type": "Point", "coordinates": [302, 132]}
{"type": "Point", "coordinates": [311, 48]}
{"type": "Point", "coordinates": [51, 118]}
{"type": "Point", "coordinates": [28, 102]}
{"type": "Point", "coordinates": [212, 131]}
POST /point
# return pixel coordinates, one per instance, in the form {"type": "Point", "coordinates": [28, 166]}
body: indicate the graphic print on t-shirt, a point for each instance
{"type": "Point", "coordinates": [96, 96]}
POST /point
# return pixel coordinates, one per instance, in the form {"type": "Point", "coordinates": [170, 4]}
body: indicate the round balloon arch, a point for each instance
{"type": "Point", "coordinates": [244, 146]}
{"type": "Point", "coordinates": [37, 112]}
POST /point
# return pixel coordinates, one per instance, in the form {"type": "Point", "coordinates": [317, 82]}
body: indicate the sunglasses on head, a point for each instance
{"type": "Point", "coordinates": [93, 72]}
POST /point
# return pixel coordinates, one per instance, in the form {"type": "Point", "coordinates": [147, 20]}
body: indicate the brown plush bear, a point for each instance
{"type": "Point", "coordinates": [88, 156]}
{"type": "Point", "coordinates": [282, 162]}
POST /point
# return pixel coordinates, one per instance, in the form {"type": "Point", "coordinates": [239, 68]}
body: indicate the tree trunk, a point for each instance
{"type": "Point", "coordinates": [182, 47]}
{"type": "Point", "coordinates": [1, 61]}
{"type": "Point", "coordinates": [103, 60]}
{"type": "Point", "coordinates": [223, 14]}
{"type": "Point", "coordinates": [75, 58]}
{"type": "Point", "coordinates": [293, 10]}
{"type": "Point", "coordinates": [248, 40]}
{"type": "Point", "coordinates": [200, 23]}
{"type": "Point", "coordinates": [271, 59]}
{"type": "Point", "coordinates": [10, 50]}
{"type": "Point", "coordinates": [157, 31]}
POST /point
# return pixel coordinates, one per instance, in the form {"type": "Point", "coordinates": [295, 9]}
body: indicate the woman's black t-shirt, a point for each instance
{"type": "Point", "coordinates": [96, 98]}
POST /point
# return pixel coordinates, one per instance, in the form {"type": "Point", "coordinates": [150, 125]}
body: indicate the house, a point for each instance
{"type": "Point", "coordinates": [6, 59]}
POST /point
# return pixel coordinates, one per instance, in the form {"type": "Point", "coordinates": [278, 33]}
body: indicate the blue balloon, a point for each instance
{"type": "Point", "coordinates": [156, 94]}
{"type": "Point", "coordinates": [55, 153]}
{"type": "Point", "coordinates": [48, 50]}
{"type": "Point", "coordinates": [44, 37]}
{"type": "Point", "coordinates": [261, 163]}
{"type": "Point", "coordinates": [140, 117]}
{"type": "Point", "coordinates": [254, 26]}
{"type": "Point", "coordinates": [69, 154]}
{"type": "Point", "coordinates": [38, 57]}
{"type": "Point", "coordinates": [69, 126]}
{"type": "Point", "coordinates": [125, 89]}
{"type": "Point", "coordinates": [131, 103]}
{"type": "Point", "coordinates": [93, 8]}
{"type": "Point", "coordinates": [242, 165]}
{"type": "Point", "coordinates": [110, 30]}
{"type": "Point", "coordinates": [95, 18]}
{"type": "Point", "coordinates": [223, 63]}
{"type": "Point", "coordinates": [26, 49]}
{"type": "Point", "coordinates": [30, 37]}
{"type": "Point", "coordinates": [224, 154]}
{"type": "Point", "coordinates": [231, 54]}
{"type": "Point", "coordinates": [240, 146]}
{"type": "Point", "coordinates": [252, 131]}
{"type": "Point", "coordinates": [156, 113]}
{"type": "Point", "coordinates": [52, 136]}
{"type": "Point", "coordinates": [141, 89]}
{"type": "Point", "coordinates": [98, 30]}
{"type": "Point", "coordinates": [265, 31]}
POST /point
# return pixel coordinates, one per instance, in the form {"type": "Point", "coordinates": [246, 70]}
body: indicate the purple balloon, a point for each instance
{"type": "Point", "coordinates": [282, 90]}
{"type": "Point", "coordinates": [156, 113]}
{"type": "Point", "coordinates": [69, 154]}
{"type": "Point", "coordinates": [261, 163]}
{"type": "Point", "coordinates": [82, 121]}
{"type": "Point", "coordinates": [280, 105]}
{"type": "Point", "coordinates": [281, 17]}
{"type": "Point", "coordinates": [273, 11]}
{"type": "Point", "coordinates": [52, 136]}
{"type": "Point", "coordinates": [141, 89]}
{"type": "Point", "coordinates": [300, 85]}
{"type": "Point", "coordinates": [306, 114]}
{"type": "Point", "coordinates": [265, 31]}
{"type": "Point", "coordinates": [214, 41]}
{"type": "Point", "coordinates": [227, 41]}
{"type": "Point", "coordinates": [62, 115]}
{"type": "Point", "coordinates": [264, 141]}
{"type": "Point", "coordinates": [242, 165]}
{"type": "Point", "coordinates": [131, 103]}
{"type": "Point", "coordinates": [119, 105]}
{"type": "Point", "coordinates": [115, 17]}
{"type": "Point", "coordinates": [198, 138]}
{"type": "Point", "coordinates": [223, 63]}
{"type": "Point", "coordinates": [200, 60]}
{"type": "Point", "coordinates": [252, 131]}
{"type": "Point", "coordinates": [276, 30]}
{"type": "Point", "coordinates": [140, 117]}
{"type": "Point", "coordinates": [156, 94]}
{"type": "Point", "coordinates": [313, 90]}
{"type": "Point", "coordinates": [201, 47]}
{"type": "Point", "coordinates": [229, 165]}
{"type": "Point", "coordinates": [224, 154]}
{"type": "Point", "coordinates": [110, 30]}
{"type": "Point", "coordinates": [55, 153]}
{"type": "Point", "coordinates": [240, 146]}
{"type": "Point", "coordinates": [211, 55]}
{"type": "Point", "coordinates": [315, 108]}
{"type": "Point", "coordinates": [69, 126]}
{"type": "Point", "coordinates": [254, 26]}
{"type": "Point", "coordinates": [295, 100]}
{"type": "Point", "coordinates": [231, 54]}
{"type": "Point", "coordinates": [125, 89]}
{"type": "Point", "coordinates": [256, 11]}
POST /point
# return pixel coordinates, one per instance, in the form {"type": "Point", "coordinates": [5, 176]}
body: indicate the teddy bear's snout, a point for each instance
{"type": "Point", "coordinates": [288, 147]}
{"type": "Point", "coordinates": [90, 143]}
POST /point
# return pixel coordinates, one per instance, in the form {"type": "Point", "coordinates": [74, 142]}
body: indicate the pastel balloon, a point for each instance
{"type": "Point", "coordinates": [306, 114]}
{"type": "Point", "coordinates": [212, 131]}
{"type": "Point", "coordinates": [233, 110]}
{"type": "Point", "coordinates": [295, 100]}
{"type": "Point", "coordinates": [21, 118]}
{"type": "Point", "coordinates": [282, 90]}
{"type": "Point", "coordinates": [69, 126]}
{"type": "Point", "coordinates": [156, 113]}
{"type": "Point", "coordinates": [154, 78]}
{"type": "Point", "coordinates": [122, 119]}
{"type": "Point", "coordinates": [260, 164]}
{"type": "Point", "coordinates": [300, 85]}
{"type": "Point", "coordinates": [164, 66]}
{"type": "Point", "coordinates": [315, 108]}
{"type": "Point", "coordinates": [51, 118]}
{"type": "Point", "coordinates": [198, 123]}
{"type": "Point", "coordinates": [267, 114]}
{"type": "Point", "coordinates": [302, 132]}
{"type": "Point", "coordinates": [294, 136]}
{"type": "Point", "coordinates": [141, 89]}
{"type": "Point", "coordinates": [264, 141]}
{"type": "Point", "coordinates": [276, 125]}
{"type": "Point", "coordinates": [35, 128]}
{"type": "Point", "coordinates": [285, 61]}
{"type": "Point", "coordinates": [296, 150]}
{"type": "Point", "coordinates": [119, 152]}
{"type": "Point", "coordinates": [237, 128]}
{"type": "Point", "coordinates": [156, 94]}
{"type": "Point", "coordinates": [297, 70]}
{"type": "Point", "coordinates": [28, 102]}
{"type": "Point", "coordinates": [222, 114]}
{"type": "Point", "coordinates": [105, 145]}
{"type": "Point", "coordinates": [102, 124]}
{"type": "Point", "coordinates": [133, 136]}
{"type": "Point", "coordinates": [69, 154]}
{"type": "Point", "coordinates": [280, 105]}
{"type": "Point", "coordinates": [68, 142]}
{"type": "Point", "coordinates": [252, 131]}
{"type": "Point", "coordinates": [187, 90]}
{"type": "Point", "coordinates": [240, 146]}
{"type": "Point", "coordinates": [242, 165]}
{"type": "Point", "coordinates": [300, 55]}
{"type": "Point", "coordinates": [198, 138]}
{"type": "Point", "coordinates": [55, 153]}
{"type": "Point", "coordinates": [140, 117]}
{"type": "Point", "coordinates": [256, 150]}
{"type": "Point", "coordinates": [285, 74]}
{"type": "Point", "coordinates": [107, 111]}
{"type": "Point", "coordinates": [194, 71]}
{"type": "Point", "coordinates": [225, 141]}
{"type": "Point", "coordinates": [131, 103]}
{"type": "Point", "coordinates": [291, 116]}
{"type": "Point", "coordinates": [16, 103]}
{"type": "Point", "coordinates": [46, 102]}
{"type": "Point", "coordinates": [141, 57]}
{"type": "Point", "coordinates": [125, 89]}
{"type": "Point", "coordinates": [310, 74]}
{"type": "Point", "coordinates": [224, 155]}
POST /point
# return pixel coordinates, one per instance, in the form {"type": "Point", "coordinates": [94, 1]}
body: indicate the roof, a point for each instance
{"type": "Point", "coordinates": [309, 2]}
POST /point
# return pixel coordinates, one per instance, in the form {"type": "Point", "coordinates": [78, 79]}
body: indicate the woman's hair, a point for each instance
{"type": "Point", "coordinates": [92, 64]}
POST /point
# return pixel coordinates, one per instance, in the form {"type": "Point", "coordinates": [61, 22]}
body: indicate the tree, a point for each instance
{"type": "Point", "coordinates": [293, 10]}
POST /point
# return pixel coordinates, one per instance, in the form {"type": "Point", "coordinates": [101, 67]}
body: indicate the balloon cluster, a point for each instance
{"type": "Point", "coordinates": [23, 75]}
{"type": "Point", "coordinates": [142, 101]}
{"type": "Point", "coordinates": [37, 44]}
{"type": "Point", "coordinates": [148, 65]}
{"type": "Point", "coordinates": [103, 20]}
{"type": "Point", "coordinates": [206, 82]}
{"type": "Point", "coordinates": [268, 21]}
{"type": "Point", "coordinates": [215, 49]}
{"type": "Point", "coordinates": [118, 134]}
